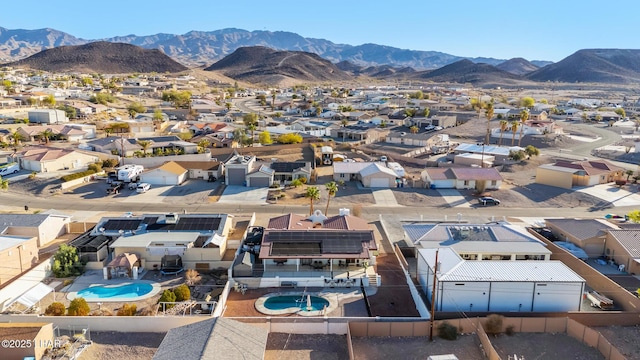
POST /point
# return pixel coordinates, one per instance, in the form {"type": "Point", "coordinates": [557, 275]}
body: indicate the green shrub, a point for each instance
{"type": "Point", "coordinates": [55, 309]}
{"type": "Point", "coordinates": [510, 330]}
{"type": "Point", "coordinates": [66, 262]}
{"type": "Point", "coordinates": [167, 296]}
{"type": "Point", "coordinates": [78, 307]}
{"type": "Point", "coordinates": [109, 163]}
{"type": "Point", "coordinates": [77, 175]}
{"type": "Point", "coordinates": [493, 325]}
{"type": "Point", "coordinates": [97, 167]}
{"type": "Point", "coordinates": [128, 310]}
{"type": "Point", "coordinates": [182, 293]}
{"type": "Point", "coordinates": [447, 331]}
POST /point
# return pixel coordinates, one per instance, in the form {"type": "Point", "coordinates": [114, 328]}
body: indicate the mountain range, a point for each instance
{"type": "Point", "coordinates": [206, 47]}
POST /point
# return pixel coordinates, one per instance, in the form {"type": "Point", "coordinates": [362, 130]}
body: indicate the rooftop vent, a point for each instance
{"type": "Point", "coordinates": [171, 218]}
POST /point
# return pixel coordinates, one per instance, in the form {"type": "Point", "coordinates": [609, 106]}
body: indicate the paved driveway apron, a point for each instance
{"type": "Point", "coordinates": [613, 194]}
{"type": "Point", "coordinates": [236, 194]}
{"type": "Point", "coordinates": [453, 198]}
{"type": "Point", "coordinates": [384, 197]}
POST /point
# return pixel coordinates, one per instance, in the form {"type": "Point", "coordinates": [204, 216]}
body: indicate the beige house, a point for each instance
{"type": "Point", "coordinates": [566, 174]}
{"type": "Point", "coordinates": [44, 227]}
{"type": "Point", "coordinates": [45, 159]}
{"type": "Point", "coordinates": [588, 234]}
{"type": "Point", "coordinates": [17, 255]}
{"type": "Point", "coordinates": [462, 178]}
{"type": "Point", "coordinates": [623, 247]}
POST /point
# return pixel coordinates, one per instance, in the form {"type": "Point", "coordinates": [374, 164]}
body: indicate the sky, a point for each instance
{"type": "Point", "coordinates": [537, 30]}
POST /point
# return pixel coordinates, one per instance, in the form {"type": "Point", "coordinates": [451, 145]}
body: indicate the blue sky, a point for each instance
{"type": "Point", "coordinates": [537, 30]}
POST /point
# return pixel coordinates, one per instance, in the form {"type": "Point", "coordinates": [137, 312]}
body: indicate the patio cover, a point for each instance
{"type": "Point", "coordinates": [215, 239]}
{"type": "Point", "coordinates": [33, 295]}
{"type": "Point", "coordinates": [124, 260]}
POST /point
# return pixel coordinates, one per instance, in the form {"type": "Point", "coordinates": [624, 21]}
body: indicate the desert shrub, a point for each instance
{"type": "Point", "coordinates": [167, 296]}
{"type": "Point", "coordinates": [101, 312]}
{"type": "Point", "coordinates": [510, 330]}
{"type": "Point", "coordinates": [357, 210]}
{"type": "Point", "coordinates": [192, 277]}
{"type": "Point", "coordinates": [33, 175]}
{"type": "Point", "coordinates": [447, 331]}
{"type": "Point", "coordinates": [128, 310]}
{"type": "Point", "coordinates": [66, 262]}
{"type": "Point", "coordinates": [55, 309]}
{"type": "Point", "coordinates": [67, 282]}
{"type": "Point", "coordinates": [109, 163]}
{"type": "Point", "coordinates": [147, 311]}
{"type": "Point", "coordinates": [182, 292]}
{"type": "Point", "coordinates": [77, 175]}
{"type": "Point", "coordinates": [303, 179]}
{"type": "Point", "coordinates": [78, 307]}
{"type": "Point", "coordinates": [493, 325]}
{"type": "Point", "coordinates": [97, 167]}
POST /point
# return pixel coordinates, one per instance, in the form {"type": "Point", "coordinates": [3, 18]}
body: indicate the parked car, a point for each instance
{"type": "Point", "coordinates": [438, 128]}
{"type": "Point", "coordinates": [484, 201]}
{"type": "Point", "coordinates": [143, 187]}
{"type": "Point", "coordinates": [429, 128]}
{"type": "Point", "coordinates": [115, 188]}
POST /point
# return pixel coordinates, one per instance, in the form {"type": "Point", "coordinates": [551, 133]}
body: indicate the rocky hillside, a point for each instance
{"type": "Point", "coordinates": [258, 64]}
{"type": "Point", "coordinates": [101, 57]}
{"type": "Point", "coordinates": [517, 66]}
{"type": "Point", "coordinates": [379, 71]}
{"type": "Point", "coordinates": [18, 44]}
{"type": "Point", "coordinates": [619, 66]}
{"type": "Point", "coordinates": [465, 71]}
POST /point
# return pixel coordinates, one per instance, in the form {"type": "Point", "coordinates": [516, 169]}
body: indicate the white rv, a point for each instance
{"type": "Point", "coordinates": [129, 173]}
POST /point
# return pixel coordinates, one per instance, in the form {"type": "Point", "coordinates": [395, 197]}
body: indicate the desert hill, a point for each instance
{"type": "Point", "coordinates": [101, 57]}
{"type": "Point", "coordinates": [259, 64]}
{"type": "Point", "coordinates": [517, 66]}
{"type": "Point", "coordinates": [465, 71]}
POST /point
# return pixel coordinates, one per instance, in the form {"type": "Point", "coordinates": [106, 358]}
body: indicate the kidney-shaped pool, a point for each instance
{"type": "Point", "coordinates": [122, 292]}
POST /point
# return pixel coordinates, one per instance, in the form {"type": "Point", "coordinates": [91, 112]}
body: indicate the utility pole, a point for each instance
{"type": "Point", "coordinates": [433, 297]}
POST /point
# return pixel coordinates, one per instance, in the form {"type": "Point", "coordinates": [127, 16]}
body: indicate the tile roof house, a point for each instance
{"type": "Point", "coordinates": [170, 173]}
{"type": "Point", "coordinates": [45, 159]}
{"type": "Point", "coordinates": [214, 339]}
{"type": "Point", "coordinates": [370, 174]}
{"type": "Point", "coordinates": [588, 234]}
{"type": "Point", "coordinates": [567, 174]}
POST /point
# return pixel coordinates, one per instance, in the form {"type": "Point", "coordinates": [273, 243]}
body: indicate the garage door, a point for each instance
{"type": "Point", "coordinates": [235, 176]}
{"type": "Point", "coordinates": [259, 182]}
{"type": "Point", "coordinates": [380, 182]}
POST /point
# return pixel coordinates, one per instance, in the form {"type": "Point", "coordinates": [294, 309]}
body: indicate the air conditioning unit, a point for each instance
{"type": "Point", "coordinates": [171, 218]}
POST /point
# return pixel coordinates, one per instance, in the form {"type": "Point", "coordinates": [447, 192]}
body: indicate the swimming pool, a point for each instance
{"type": "Point", "coordinates": [295, 303]}
{"type": "Point", "coordinates": [124, 292]}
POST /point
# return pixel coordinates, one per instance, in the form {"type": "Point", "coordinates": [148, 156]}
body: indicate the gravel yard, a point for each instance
{"type": "Point", "coordinates": [466, 347]}
{"type": "Point", "coordinates": [624, 338]}
{"type": "Point", "coordinates": [297, 346]}
{"type": "Point", "coordinates": [122, 346]}
{"type": "Point", "coordinates": [543, 346]}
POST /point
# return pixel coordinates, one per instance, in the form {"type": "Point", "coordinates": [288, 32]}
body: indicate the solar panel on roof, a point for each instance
{"type": "Point", "coordinates": [125, 225]}
{"type": "Point", "coordinates": [286, 166]}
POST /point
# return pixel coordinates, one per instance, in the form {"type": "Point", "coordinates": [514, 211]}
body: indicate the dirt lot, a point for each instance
{"type": "Point", "coordinates": [122, 346]}
{"type": "Point", "coordinates": [543, 346]}
{"type": "Point", "coordinates": [624, 338]}
{"type": "Point", "coordinates": [466, 347]}
{"type": "Point", "coordinates": [315, 346]}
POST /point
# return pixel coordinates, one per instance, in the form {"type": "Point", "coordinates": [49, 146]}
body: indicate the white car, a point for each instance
{"type": "Point", "coordinates": [143, 187]}
{"type": "Point", "coordinates": [429, 128]}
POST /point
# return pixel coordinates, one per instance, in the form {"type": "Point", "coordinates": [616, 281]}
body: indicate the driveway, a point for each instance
{"type": "Point", "coordinates": [384, 197]}
{"type": "Point", "coordinates": [612, 194]}
{"type": "Point", "coordinates": [454, 198]}
{"type": "Point", "coordinates": [236, 194]}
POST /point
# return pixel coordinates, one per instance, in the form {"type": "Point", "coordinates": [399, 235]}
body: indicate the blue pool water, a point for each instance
{"type": "Point", "coordinates": [291, 301]}
{"type": "Point", "coordinates": [125, 291]}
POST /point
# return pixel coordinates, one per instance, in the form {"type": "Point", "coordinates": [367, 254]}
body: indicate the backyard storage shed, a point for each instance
{"type": "Point", "coordinates": [487, 286]}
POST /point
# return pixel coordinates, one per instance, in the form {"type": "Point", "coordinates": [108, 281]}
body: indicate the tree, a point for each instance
{"type": "Point", "coordinates": [634, 216]}
{"type": "Point", "coordinates": [410, 112]}
{"type": "Point", "coordinates": [504, 125]}
{"type": "Point", "coordinates": [544, 101]}
{"type": "Point", "coordinates": [167, 296]}
{"type": "Point", "coordinates": [426, 112]}
{"type": "Point", "coordinates": [49, 101]}
{"type": "Point", "coordinates": [66, 262]}
{"type": "Point", "coordinates": [524, 116]}
{"type": "Point", "coordinates": [290, 138]}
{"type": "Point", "coordinates": [414, 129]}
{"type": "Point", "coordinates": [489, 114]}
{"type": "Point", "coordinates": [204, 144]}
{"type": "Point", "coordinates": [273, 101]}
{"type": "Point", "coordinates": [102, 98]}
{"type": "Point", "coordinates": [144, 144]}
{"type": "Point", "coordinates": [313, 194]}
{"type": "Point", "coordinates": [514, 128]}
{"type": "Point", "coordinates": [157, 115]}
{"type": "Point", "coordinates": [332, 190]}
{"type": "Point", "coordinates": [69, 111]}
{"type": "Point", "coordinates": [78, 307]}
{"type": "Point", "coordinates": [531, 150]}
{"type": "Point", "coordinates": [228, 105]}
{"type": "Point", "coordinates": [417, 95]}
{"type": "Point", "coordinates": [16, 138]}
{"type": "Point", "coordinates": [179, 99]}
{"type": "Point", "coordinates": [621, 112]}
{"type": "Point", "coordinates": [265, 138]}
{"type": "Point", "coordinates": [527, 102]}
{"type": "Point", "coordinates": [240, 136]}
{"type": "Point", "coordinates": [629, 173]}
{"type": "Point", "coordinates": [136, 108]}
{"type": "Point", "coordinates": [87, 81]}
{"type": "Point", "coordinates": [46, 135]}
{"type": "Point", "coordinates": [516, 155]}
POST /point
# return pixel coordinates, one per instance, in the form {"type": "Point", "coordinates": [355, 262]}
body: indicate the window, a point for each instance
{"type": "Point", "coordinates": [466, 183]}
{"type": "Point", "coordinates": [341, 175]}
{"type": "Point", "coordinates": [494, 182]}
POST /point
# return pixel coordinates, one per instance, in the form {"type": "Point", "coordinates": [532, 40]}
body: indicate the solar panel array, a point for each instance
{"type": "Point", "coordinates": [286, 166]}
{"type": "Point", "coordinates": [188, 224]}
{"type": "Point", "coordinates": [125, 225]}
{"type": "Point", "coordinates": [295, 248]}
{"type": "Point", "coordinates": [329, 242]}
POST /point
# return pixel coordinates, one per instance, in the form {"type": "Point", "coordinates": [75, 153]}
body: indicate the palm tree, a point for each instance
{"type": "Point", "coordinates": [251, 127]}
{"type": "Point", "coordinates": [313, 193]}
{"type": "Point", "coordinates": [108, 131]}
{"type": "Point", "coordinates": [504, 124]}
{"type": "Point", "coordinates": [332, 189]}
{"type": "Point", "coordinates": [46, 135]}
{"type": "Point", "coordinates": [228, 106]}
{"type": "Point", "coordinates": [344, 124]}
{"type": "Point", "coordinates": [144, 144]}
{"type": "Point", "coordinates": [273, 101]}
{"type": "Point", "coordinates": [489, 113]}
{"type": "Point", "coordinates": [514, 127]}
{"type": "Point", "coordinates": [203, 144]}
{"type": "Point", "coordinates": [16, 137]}
{"type": "Point", "coordinates": [524, 116]}
{"type": "Point", "coordinates": [414, 129]}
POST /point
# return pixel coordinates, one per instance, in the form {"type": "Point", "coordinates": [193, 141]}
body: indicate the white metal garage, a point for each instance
{"type": "Point", "coordinates": [500, 285]}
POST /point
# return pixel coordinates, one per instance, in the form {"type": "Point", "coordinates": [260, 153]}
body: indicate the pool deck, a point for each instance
{"type": "Point", "coordinates": [94, 278]}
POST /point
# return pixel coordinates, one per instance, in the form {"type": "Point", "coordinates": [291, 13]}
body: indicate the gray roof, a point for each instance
{"type": "Point", "coordinates": [581, 229]}
{"type": "Point", "coordinates": [629, 239]}
{"type": "Point", "coordinates": [213, 339]}
{"type": "Point", "coordinates": [21, 220]}
{"type": "Point", "coordinates": [452, 233]}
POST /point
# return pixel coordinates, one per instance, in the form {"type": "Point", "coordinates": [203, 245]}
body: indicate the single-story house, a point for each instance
{"type": "Point", "coordinates": [367, 134]}
{"type": "Point", "coordinates": [371, 174]}
{"type": "Point", "coordinates": [214, 339]}
{"type": "Point", "coordinates": [285, 172]}
{"type": "Point", "coordinates": [171, 173]}
{"type": "Point", "coordinates": [201, 169]}
{"type": "Point", "coordinates": [470, 159]}
{"type": "Point", "coordinates": [17, 255]}
{"type": "Point", "coordinates": [500, 153]}
{"type": "Point", "coordinates": [237, 167]}
{"type": "Point", "coordinates": [496, 285]}
{"type": "Point", "coordinates": [567, 174]}
{"type": "Point", "coordinates": [623, 247]}
{"type": "Point", "coordinates": [44, 227]}
{"type": "Point", "coordinates": [45, 159]}
{"type": "Point", "coordinates": [588, 234]}
{"type": "Point", "coordinates": [261, 177]}
{"type": "Point", "coordinates": [33, 133]}
{"type": "Point", "coordinates": [462, 178]}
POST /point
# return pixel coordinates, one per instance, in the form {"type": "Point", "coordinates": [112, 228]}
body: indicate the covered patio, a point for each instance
{"type": "Point", "coordinates": [123, 265]}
